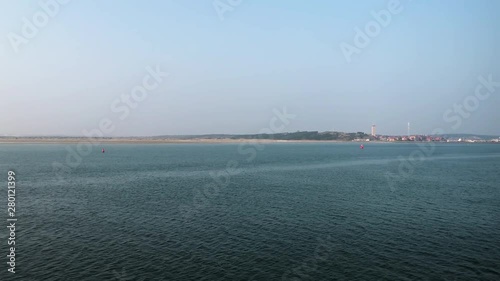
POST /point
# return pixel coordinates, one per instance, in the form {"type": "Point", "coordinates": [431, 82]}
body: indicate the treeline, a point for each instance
{"type": "Point", "coordinates": [306, 135]}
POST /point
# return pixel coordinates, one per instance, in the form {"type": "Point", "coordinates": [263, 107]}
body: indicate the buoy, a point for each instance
{"type": "Point", "coordinates": [103, 150]}
{"type": "Point", "coordinates": [362, 146]}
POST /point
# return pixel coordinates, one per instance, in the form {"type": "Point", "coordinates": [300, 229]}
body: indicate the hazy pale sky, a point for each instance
{"type": "Point", "coordinates": [229, 68]}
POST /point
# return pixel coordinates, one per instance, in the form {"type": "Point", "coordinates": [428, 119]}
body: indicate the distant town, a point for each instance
{"type": "Point", "coordinates": [363, 137]}
{"type": "Point", "coordinates": [426, 138]}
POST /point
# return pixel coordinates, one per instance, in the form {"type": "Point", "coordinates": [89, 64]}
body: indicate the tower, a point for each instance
{"type": "Point", "coordinates": [408, 128]}
{"type": "Point", "coordinates": [374, 130]}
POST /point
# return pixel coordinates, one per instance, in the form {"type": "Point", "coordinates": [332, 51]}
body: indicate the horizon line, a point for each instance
{"type": "Point", "coordinates": [227, 134]}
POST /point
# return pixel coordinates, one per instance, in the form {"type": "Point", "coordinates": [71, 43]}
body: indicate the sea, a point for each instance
{"type": "Point", "coordinates": [252, 211]}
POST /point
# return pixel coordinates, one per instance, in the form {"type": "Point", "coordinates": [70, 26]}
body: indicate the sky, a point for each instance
{"type": "Point", "coordinates": [227, 66]}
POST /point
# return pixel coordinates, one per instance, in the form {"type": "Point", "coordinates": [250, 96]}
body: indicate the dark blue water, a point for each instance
{"type": "Point", "coordinates": [312, 211]}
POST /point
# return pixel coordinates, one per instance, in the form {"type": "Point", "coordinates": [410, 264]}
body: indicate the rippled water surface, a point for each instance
{"type": "Point", "coordinates": [310, 211]}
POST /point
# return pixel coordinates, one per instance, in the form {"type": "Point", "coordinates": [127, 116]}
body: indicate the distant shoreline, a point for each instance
{"type": "Point", "coordinates": [22, 140]}
{"type": "Point", "coordinates": [69, 140]}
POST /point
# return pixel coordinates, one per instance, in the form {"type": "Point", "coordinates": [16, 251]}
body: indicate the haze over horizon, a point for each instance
{"type": "Point", "coordinates": [190, 135]}
{"type": "Point", "coordinates": [229, 74]}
